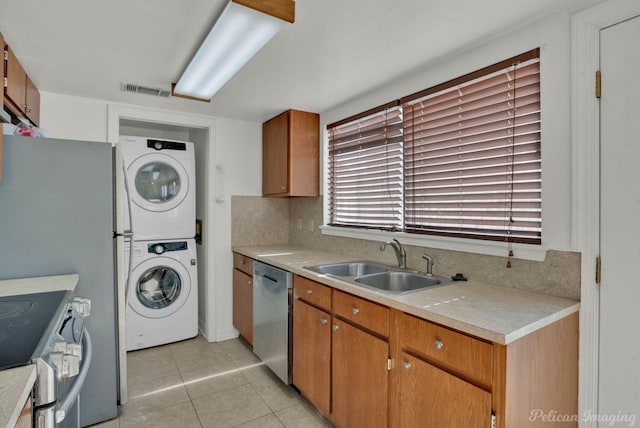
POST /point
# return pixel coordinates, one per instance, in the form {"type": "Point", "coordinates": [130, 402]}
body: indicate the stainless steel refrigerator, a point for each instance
{"type": "Point", "coordinates": [56, 217]}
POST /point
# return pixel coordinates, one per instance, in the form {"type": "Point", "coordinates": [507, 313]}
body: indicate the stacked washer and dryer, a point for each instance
{"type": "Point", "coordinates": [158, 213]}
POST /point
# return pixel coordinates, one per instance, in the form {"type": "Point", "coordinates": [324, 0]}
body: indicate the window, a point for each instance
{"type": "Point", "coordinates": [365, 166]}
{"type": "Point", "coordinates": [460, 159]}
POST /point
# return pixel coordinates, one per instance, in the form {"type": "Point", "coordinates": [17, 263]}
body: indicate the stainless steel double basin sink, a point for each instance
{"type": "Point", "coordinates": [380, 277]}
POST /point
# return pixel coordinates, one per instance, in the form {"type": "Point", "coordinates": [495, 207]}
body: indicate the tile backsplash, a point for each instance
{"type": "Point", "coordinates": [259, 221]}
{"type": "Point", "coordinates": [262, 221]}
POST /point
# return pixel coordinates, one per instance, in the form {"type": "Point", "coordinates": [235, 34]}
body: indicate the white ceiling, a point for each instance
{"type": "Point", "coordinates": [330, 55]}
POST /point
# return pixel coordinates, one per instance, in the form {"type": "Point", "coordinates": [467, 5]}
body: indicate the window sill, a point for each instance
{"type": "Point", "coordinates": [489, 248]}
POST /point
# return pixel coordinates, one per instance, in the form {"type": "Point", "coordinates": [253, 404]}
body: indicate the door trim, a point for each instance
{"type": "Point", "coordinates": [585, 35]}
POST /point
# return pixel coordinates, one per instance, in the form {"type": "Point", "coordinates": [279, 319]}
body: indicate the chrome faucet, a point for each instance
{"type": "Point", "coordinates": [401, 254]}
{"type": "Point", "coordinates": [430, 263]}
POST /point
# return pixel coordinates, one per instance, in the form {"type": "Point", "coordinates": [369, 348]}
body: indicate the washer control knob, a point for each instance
{"type": "Point", "coordinates": [158, 145]}
{"type": "Point", "coordinates": [158, 249]}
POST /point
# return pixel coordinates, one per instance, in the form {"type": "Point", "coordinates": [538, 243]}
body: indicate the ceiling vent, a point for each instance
{"type": "Point", "coordinates": [130, 87]}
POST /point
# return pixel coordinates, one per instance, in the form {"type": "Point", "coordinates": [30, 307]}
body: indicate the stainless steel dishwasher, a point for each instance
{"type": "Point", "coordinates": [272, 296]}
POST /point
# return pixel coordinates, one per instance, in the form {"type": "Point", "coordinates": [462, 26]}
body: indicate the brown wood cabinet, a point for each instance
{"type": "Point", "coordinates": [431, 397]}
{"type": "Point", "coordinates": [339, 366]}
{"type": "Point", "coordinates": [243, 296]}
{"type": "Point", "coordinates": [360, 378]}
{"type": "Point", "coordinates": [448, 378]}
{"type": "Point", "coordinates": [2, 47]}
{"type": "Point", "coordinates": [439, 377]}
{"type": "Point", "coordinates": [291, 155]}
{"type": "Point", "coordinates": [20, 94]}
{"type": "Point", "coordinates": [312, 354]}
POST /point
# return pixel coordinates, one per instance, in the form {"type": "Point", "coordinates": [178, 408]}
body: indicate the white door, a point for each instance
{"type": "Point", "coordinates": [619, 359]}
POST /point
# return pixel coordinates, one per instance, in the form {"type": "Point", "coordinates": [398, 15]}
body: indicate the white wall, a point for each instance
{"type": "Point", "coordinates": [553, 36]}
{"type": "Point", "coordinates": [237, 148]}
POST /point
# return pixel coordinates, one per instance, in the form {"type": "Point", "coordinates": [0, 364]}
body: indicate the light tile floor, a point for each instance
{"type": "Point", "coordinates": [199, 384]}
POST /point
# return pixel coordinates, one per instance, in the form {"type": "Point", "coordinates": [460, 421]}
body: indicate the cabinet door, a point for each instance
{"type": "Point", "coordinates": [32, 102]}
{"type": "Point", "coordinates": [243, 304]}
{"type": "Point", "coordinates": [312, 354]}
{"type": "Point", "coordinates": [17, 81]}
{"type": "Point", "coordinates": [432, 398]}
{"type": "Point", "coordinates": [275, 155]}
{"type": "Point", "coordinates": [2, 48]}
{"type": "Point", "coordinates": [360, 378]}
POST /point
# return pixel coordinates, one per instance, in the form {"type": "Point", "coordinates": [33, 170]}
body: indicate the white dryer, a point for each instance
{"type": "Point", "coordinates": [160, 188]}
{"type": "Point", "coordinates": [162, 295]}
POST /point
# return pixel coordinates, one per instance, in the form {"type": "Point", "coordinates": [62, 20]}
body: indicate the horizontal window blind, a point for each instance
{"type": "Point", "coordinates": [472, 155]}
{"type": "Point", "coordinates": [366, 170]}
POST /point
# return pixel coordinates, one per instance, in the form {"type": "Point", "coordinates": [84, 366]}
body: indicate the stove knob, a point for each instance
{"type": "Point", "coordinates": [66, 365]}
{"type": "Point", "coordinates": [82, 306]}
{"type": "Point", "coordinates": [69, 348]}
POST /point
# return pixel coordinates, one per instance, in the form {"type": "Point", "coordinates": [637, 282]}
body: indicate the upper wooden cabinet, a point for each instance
{"type": "Point", "coordinates": [19, 91]}
{"type": "Point", "coordinates": [291, 155]}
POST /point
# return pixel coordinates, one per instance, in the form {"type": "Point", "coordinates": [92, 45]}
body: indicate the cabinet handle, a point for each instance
{"type": "Point", "coordinates": [406, 365]}
{"type": "Point", "coordinates": [355, 310]}
{"type": "Point", "coordinates": [323, 321]}
{"type": "Point", "coordinates": [309, 292]}
{"type": "Point", "coordinates": [335, 327]}
{"type": "Point", "coordinates": [284, 188]}
{"type": "Point", "coordinates": [241, 261]}
{"type": "Point", "coordinates": [250, 282]}
{"type": "Point", "coordinates": [438, 344]}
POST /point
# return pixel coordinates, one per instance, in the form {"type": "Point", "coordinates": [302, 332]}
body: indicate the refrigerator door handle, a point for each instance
{"type": "Point", "coordinates": [128, 233]}
{"type": "Point", "coordinates": [128, 198]}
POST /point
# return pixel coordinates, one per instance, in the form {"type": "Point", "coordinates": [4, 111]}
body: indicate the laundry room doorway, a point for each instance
{"type": "Point", "coordinates": [200, 130]}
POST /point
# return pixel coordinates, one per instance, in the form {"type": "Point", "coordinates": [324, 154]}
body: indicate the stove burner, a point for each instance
{"type": "Point", "coordinates": [14, 309]}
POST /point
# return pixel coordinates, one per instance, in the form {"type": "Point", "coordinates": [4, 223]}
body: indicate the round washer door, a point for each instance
{"type": "Point", "coordinates": [160, 286]}
{"type": "Point", "coordinates": [157, 182]}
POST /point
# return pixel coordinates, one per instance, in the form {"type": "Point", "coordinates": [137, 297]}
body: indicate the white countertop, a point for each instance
{"type": "Point", "coordinates": [497, 314]}
{"type": "Point", "coordinates": [16, 383]}
{"type": "Point", "coordinates": [15, 287]}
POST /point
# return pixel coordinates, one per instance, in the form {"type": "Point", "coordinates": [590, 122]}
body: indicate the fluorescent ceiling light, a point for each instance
{"type": "Point", "coordinates": [238, 34]}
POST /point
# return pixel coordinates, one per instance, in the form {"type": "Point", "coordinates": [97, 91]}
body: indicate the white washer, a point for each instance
{"type": "Point", "coordinates": [160, 177]}
{"type": "Point", "coordinates": [162, 295]}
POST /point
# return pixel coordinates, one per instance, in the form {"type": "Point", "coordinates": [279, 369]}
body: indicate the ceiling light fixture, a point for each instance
{"type": "Point", "coordinates": [242, 29]}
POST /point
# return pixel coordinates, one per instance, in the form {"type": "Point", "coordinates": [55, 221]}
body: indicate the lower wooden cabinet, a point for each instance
{"type": "Point", "coordinates": [438, 377]}
{"type": "Point", "coordinates": [360, 378]}
{"type": "Point", "coordinates": [243, 297]}
{"type": "Point", "coordinates": [312, 354]}
{"type": "Point", "coordinates": [431, 397]}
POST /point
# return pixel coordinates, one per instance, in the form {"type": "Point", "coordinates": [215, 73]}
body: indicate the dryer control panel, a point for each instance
{"type": "Point", "coordinates": [166, 145]}
{"type": "Point", "coordinates": [163, 247]}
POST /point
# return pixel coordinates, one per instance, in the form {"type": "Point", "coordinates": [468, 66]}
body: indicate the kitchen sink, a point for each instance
{"type": "Point", "coordinates": [354, 269]}
{"type": "Point", "coordinates": [380, 277]}
{"type": "Point", "coordinates": [400, 282]}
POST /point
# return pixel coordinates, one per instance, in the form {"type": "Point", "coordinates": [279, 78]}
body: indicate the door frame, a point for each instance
{"type": "Point", "coordinates": [116, 113]}
{"type": "Point", "coordinates": [585, 35]}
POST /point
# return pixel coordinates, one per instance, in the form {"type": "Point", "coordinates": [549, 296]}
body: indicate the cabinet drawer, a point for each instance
{"type": "Point", "coordinates": [465, 355]}
{"type": "Point", "coordinates": [243, 263]}
{"type": "Point", "coordinates": [312, 292]}
{"type": "Point", "coordinates": [362, 312]}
